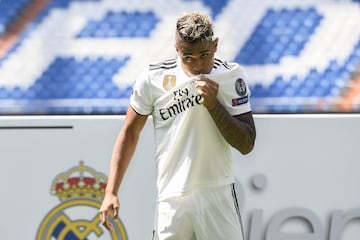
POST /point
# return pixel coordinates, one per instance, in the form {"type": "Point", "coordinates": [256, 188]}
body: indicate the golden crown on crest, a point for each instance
{"type": "Point", "coordinates": [79, 182]}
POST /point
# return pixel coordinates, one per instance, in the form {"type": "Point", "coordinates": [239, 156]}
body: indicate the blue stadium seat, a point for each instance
{"type": "Point", "coordinates": [9, 11]}
{"type": "Point", "coordinates": [283, 32]}
{"type": "Point", "coordinates": [216, 6]}
{"type": "Point", "coordinates": [64, 80]}
{"type": "Point", "coordinates": [280, 33]}
{"type": "Point", "coordinates": [122, 24]}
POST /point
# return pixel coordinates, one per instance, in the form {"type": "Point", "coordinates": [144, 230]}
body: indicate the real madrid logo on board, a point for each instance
{"type": "Point", "coordinates": [80, 191]}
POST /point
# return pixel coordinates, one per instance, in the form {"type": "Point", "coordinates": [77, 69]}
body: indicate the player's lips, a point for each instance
{"type": "Point", "coordinates": [195, 71]}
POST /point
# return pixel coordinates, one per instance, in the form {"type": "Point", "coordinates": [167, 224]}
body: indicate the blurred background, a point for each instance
{"type": "Point", "coordinates": [82, 56]}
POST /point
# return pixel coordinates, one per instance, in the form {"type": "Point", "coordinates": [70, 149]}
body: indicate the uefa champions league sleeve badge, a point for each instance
{"type": "Point", "coordinates": [241, 90]}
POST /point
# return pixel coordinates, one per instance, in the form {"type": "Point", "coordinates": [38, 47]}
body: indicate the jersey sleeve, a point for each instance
{"type": "Point", "coordinates": [141, 99]}
{"type": "Point", "coordinates": [234, 92]}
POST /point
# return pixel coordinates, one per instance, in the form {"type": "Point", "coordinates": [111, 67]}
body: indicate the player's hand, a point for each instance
{"type": "Point", "coordinates": [110, 203]}
{"type": "Point", "coordinates": [208, 90]}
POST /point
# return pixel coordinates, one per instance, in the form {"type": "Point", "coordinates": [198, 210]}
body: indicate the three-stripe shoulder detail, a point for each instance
{"type": "Point", "coordinates": [218, 62]}
{"type": "Point", "coordinates": [167, 64]}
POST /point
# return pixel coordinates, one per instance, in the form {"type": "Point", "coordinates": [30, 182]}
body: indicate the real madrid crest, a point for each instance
{"type": "Point", "coordinates": [80, 190]}
{"type": "Point", "coordinates": [169, 82]}
{"type": "Point", "coordinates": [240, 87]}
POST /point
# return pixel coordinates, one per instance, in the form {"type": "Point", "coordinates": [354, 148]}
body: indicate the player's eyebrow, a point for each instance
{"type": "Point", "coordinates": [205, 51]}
{"type": "Point", "coordinates": [187, 53]}
{"type": "Point", "coordinates": [191, 53]}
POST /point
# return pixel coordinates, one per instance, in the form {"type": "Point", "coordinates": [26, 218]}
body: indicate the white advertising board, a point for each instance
{"type": "Point", "coordinates": [300, 182]}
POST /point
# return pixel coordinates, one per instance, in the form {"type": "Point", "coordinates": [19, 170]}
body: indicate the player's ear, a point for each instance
{"type": "Point", "coordinates": [215, 44]}
{"type": "Point", "coordinates": [177, 40]}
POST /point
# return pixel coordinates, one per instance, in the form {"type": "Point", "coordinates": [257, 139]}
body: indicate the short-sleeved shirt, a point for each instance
{"type": "Point", "coordinates": [191, 153]}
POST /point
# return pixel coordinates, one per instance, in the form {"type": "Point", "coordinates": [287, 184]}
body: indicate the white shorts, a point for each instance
{"type": "Point", "coordinates": [210, 214]}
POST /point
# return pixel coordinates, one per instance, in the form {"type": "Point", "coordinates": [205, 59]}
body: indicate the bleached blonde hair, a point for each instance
{"type": "Point", "coordinates": [195, 26]}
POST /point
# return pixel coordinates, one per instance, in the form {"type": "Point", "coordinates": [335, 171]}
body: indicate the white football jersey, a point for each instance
{"type": "Point", "coordinates": [191, 153]}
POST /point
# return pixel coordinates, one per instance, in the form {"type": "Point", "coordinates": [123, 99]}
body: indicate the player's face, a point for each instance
{"type": "Point", "coordinates": [196, 58]}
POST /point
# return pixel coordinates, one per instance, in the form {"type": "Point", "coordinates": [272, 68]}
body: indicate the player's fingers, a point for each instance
{"type": "Point", "coordinates": [109, 226]}
{"type": "Point", "coordinates": [103, 216]}
{"type": "Point", "coordinates": [105, 221]}
{"type": "Point", "coordinates": [199, 83]}
{"type": "Point", "coordinates": [213, 86]}
{"type": "Point", "coordinates": [207, 86]}
{"type": "Point", "coordinates": [116, 212]}
{"type": "Point", "coordinates": [200, 92]}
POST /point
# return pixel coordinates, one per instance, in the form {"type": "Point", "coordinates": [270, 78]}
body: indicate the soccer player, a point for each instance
{"type": "Point", "coordinates": [200, 107]}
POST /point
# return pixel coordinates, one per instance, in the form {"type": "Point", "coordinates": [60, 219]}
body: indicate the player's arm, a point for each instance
{"type": "Point", "coordinates": [239, 131]}
{"type": "Point", "coordinates": [123, 151]}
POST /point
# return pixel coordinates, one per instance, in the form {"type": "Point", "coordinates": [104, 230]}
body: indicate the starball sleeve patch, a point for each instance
{"type": "Point", "coordinates": [241, 89]}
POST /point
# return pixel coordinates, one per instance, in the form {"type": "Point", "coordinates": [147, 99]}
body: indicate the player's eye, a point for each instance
{"type": "Point", "coordinates": [205, 55]}
{"type": "Point", "coordinates": [188, 58]}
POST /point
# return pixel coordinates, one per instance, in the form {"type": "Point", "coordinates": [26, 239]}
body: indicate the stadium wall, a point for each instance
{"type": "Point", "coordinates": [300, 182]}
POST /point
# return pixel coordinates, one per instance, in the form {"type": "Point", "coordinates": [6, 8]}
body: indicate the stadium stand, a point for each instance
{"type": "Point", "coordinates": [10, 10]}
{"type": "Point", "coordinates": [82, 56]}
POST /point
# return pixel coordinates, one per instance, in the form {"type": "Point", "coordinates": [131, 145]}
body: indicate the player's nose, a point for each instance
{"type": "Point", "coordinates": [198, 67]}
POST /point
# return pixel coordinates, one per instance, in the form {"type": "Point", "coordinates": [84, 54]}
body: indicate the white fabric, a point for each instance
{"type": "Point", "coordinates": [191, 153]}
{"type": "Point", "coordinates": [210, 214]}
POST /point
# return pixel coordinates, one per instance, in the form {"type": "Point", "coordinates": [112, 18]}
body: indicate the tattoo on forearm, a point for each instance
{"type": "Point", "coordinates": [237, 133]}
